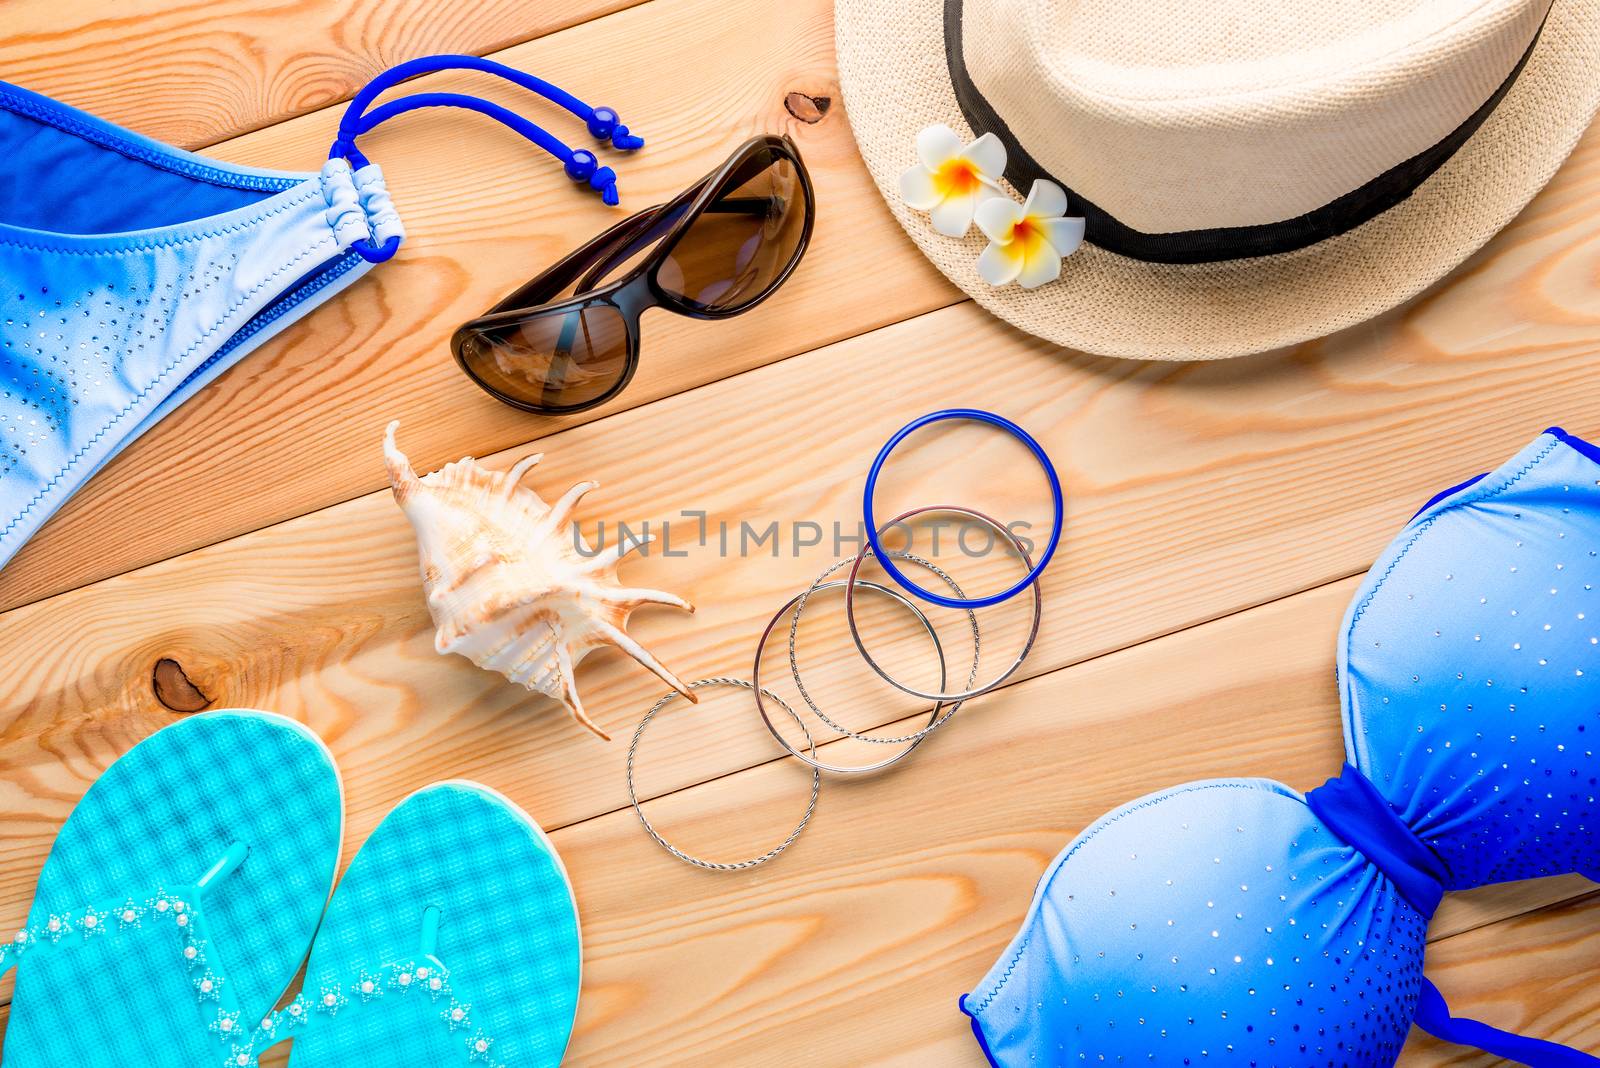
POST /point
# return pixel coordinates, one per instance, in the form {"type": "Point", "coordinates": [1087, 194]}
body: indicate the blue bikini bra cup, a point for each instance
{"type": "Point", "coordinates": [1470, 670]}
{"type": "Point", "coordinates": [1235, 922]}
{"type": "Point", "coordinates": [1218, 922]}
{"type": "Point", "coordinates": [133, 273]}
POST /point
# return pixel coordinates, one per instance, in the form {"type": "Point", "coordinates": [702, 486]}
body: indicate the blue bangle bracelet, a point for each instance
{"type": "Point", "coordinates": [976, 415]}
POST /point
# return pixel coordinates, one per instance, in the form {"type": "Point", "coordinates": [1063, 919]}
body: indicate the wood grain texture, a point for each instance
{"type": "Point", "coordinates": [1228, 496]}
{"type": "Point", "coordinates": [281, 434]}
{"type": "Point", "coordinates": [244, 553]}
{"type": "Point", "coordinates": [852, 948]}
{"type": "Point", "coordinates": [1247, 482]}
{"type": "Point", "coordinates": [286, 431]}
{"type": "Point", "coordinates": [194, 73]}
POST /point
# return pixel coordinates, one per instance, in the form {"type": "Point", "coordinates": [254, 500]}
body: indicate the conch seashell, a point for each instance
{"type": "Point", "coordinates": [511, 584]}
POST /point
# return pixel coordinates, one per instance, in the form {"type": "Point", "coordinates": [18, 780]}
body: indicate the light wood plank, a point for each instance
{"type": "Point", "coordinates": [196, 73]}
{"type": "Point", "coordinates": [1238, 488]}
{"type": "Point", "coordinates": [287, 432]}
{"type": "Point", "coordinates": [852, 948]}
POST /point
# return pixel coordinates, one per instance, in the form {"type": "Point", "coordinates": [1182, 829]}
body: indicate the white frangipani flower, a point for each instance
{"type": "Point", "coordinates": [1028, 241]}
{"type": "Point", "coordinates": [952, 179]}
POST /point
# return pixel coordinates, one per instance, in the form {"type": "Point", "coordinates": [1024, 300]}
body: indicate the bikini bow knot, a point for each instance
{"type": "Point", "coordinates": [1351, 806]}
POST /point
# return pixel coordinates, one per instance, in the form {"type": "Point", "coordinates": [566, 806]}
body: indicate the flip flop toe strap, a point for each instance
{"type": "Point", "coordinates": [424, 979]}
{"type": "Point", "coordinates": [177, 910]}
{"type": "Point", "coordinates": [57, 929]}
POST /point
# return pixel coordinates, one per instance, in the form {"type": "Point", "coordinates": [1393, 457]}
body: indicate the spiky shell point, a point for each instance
{"type": "Point", "coordinates": [510, 584]}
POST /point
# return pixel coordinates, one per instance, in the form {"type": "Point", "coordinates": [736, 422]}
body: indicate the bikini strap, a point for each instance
{"type": "Point", "coordinates": [1352, 807]}
{"type": "Point", "coordinates": [581, 165]}
{"type": "Point", "coordinates": [1433, 1016]}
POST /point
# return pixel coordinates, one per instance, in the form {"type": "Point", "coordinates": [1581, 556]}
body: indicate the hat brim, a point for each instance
{"type": "Point", "coordinates": [895, 82]}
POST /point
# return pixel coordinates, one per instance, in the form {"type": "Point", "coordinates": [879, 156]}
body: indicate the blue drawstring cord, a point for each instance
{"type": "Point", "coordinates": [580, 164]}
{"type": "Point", "coordinates": [602, 121]}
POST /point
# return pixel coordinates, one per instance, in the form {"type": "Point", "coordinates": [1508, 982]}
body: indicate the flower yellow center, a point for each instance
{"type": "Point", "coordinates": [956, 177]}
{"type": "Point", "coordinates": [1026, 235]}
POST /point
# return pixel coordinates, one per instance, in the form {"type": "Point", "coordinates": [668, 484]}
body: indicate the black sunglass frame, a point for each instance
{"type": "Point", "coordinates": [637, 290]}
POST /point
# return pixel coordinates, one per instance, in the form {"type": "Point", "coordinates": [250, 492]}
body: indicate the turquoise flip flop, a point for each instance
{"type": "Point", "coordinates": [179, 899]}
{"type": "Point", "coordinates": [452, 940]}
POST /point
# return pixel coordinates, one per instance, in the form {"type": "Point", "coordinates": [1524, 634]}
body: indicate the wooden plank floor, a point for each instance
{"type": "Point", "coordinates": [1218, 517]}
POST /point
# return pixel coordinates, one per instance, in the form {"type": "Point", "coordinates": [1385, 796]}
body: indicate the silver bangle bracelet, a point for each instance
{"type": "Point", "coordinates": [1033, 631]}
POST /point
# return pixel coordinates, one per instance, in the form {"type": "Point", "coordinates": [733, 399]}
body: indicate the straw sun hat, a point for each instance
{"type": "Point", "coordinates": [1253, 173]}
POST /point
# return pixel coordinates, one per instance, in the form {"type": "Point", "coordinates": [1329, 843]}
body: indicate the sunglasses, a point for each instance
{"type": "Point", "coordinates": [720, 248]}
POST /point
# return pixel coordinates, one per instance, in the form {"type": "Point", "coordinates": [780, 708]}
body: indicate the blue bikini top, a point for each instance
{"type": "Point", "coordinates": [133, 273]}
{"type": "Point", "coordinates": [1238, 922]}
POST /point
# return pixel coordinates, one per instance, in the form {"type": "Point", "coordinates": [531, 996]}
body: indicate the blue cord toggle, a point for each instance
{"type": "Point", "coordinates": [584, 167]}
{"type": "Point", "coordinates": [603, 180]}
{"type": "Point", "coordinates": [607, 127]}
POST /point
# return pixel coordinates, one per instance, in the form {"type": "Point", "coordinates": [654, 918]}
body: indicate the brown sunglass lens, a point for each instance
{"type": "Point", "coordinates": [738, 248]}
{"type": "Point", "coordinates": [564, 358]}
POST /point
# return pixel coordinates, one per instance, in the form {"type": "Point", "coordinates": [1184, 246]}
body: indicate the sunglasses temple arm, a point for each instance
{"type": "Point", "coordinates": [580, 165]}
{"type": "Point", "coordinates": [745, 205]}
{"type": "Point", "coordinates": [617, 244]}
{"type": "Point", "coordinates": [548, 285]}
{"type": "Point", "coordinates": [647, 227]}
{"type": "Point", "coordinates": [653, 225]}
{"type": "Point", "coordinates": [602, 122]}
